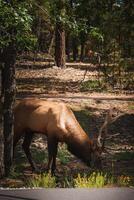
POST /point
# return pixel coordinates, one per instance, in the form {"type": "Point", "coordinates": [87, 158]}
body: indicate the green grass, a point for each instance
{"type": "Point", "coordinates": [94, 180]}
{"type": "Point", "coordinates": [131, 106]}
{"type": "Point", "coordinates": [90, 85]}
{"type": "Point", "coordinates": [68, 182]}
{"type": "Point", "coordinates": [99, 180]}
{"type": "Point", "coordinates": [63, 155]}
{"type": "Point", "coordinates": [16, 171]}
{"type": "Point", "coordinates": [40, 156]}
{"type": "Point", "coordinates": [44, 180]}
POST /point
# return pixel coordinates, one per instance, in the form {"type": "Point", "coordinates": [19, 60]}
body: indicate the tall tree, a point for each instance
{"type": "Point", "coordinates": [14, 20]}
{"type": "Point", "coordinates": [2, 171]}
{"type": "Point", "coordinates": [53, 13]}
{"type": "Point", "coordinates": [127, 16]}
{"type": "Point", "coordinates": [9, 99]}
{"type": "Point", "coordinates": [60, 58]}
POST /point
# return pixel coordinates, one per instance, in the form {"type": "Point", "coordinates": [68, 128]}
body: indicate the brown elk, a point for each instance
{"type": "Point", "coordinates": [59, 124]}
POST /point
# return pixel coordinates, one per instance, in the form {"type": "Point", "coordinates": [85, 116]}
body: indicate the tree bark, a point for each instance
{"type": "Point", "coordinates": [60, 45]}
{"type": "Point", "coordinates": [2, 80]}
{"type": "Point", "coordinates": [68, 45]}
{"type": "Point", "coordinates": [75, 49]}
{"type": "Point", "coordinates": [9, 99]}
{"type": "Point", "coordinates": [2, 171]}
{"type": "Point", "coordinates": [82, 51]}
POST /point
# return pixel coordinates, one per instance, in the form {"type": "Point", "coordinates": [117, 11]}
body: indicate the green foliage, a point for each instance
{"type": "Point", "coordinates": [96, 34]}
{"type": "Point", "coordinates": [57, 10]}
{"type": "Point", "coordinates": [92, 29]}
{"type": "Point", "coordinates": [15, 24]}
{"type": "Point", "coordinates": [40, 156]}
{"type": "Point", "coordinates": [120, 73]}
{"type": "Point", "coordinates": [15, 172]}
{"type": "Point", "coordinates": [62, 11]}
{"type": "Point", "coordinates": [63, 155]}
{"type": "Point", "coordinates": [90, 85]}
{"type": "Point", "coordinates": [43, 180]}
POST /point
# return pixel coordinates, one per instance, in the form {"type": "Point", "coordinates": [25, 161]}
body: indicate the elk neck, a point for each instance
{"type": "Point", "coordinates": [79, 145]}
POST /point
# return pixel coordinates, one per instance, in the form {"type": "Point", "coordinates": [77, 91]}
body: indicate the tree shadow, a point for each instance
{"type": "Point", "coordinates": [47, 85]}
{"type": "Point", "coordinates": [33, 65]}
{"type": "Point", "coordinates": [29, 85]}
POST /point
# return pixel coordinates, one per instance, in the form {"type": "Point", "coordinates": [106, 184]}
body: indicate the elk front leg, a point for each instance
{"type": "Point", "coordinates": [52, 153]}
{"type": "Point", "coordinates": [26, 147]}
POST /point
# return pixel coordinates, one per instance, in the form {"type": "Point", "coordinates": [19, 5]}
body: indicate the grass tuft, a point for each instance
{"type": "Point", "coordinates": [44, 180]}
{"type": "Point", "coordinates": [99, 180]}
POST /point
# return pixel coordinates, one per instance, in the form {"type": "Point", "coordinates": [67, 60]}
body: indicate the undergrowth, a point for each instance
{"type": "Point", "coordinates": [90, 85]}
{"type": "Point", "coordinates": [93, 180]}
{"type": "Point", "coordinates": [99, 180]}
{"type": "Point", "coordinates": [44, 180]}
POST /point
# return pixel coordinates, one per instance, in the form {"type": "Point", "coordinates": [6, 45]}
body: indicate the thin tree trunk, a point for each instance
{"type": "Point", "coordinates": [51, 44]}
{"type": "Point", "coordinates": [2, 80]}
{"type": "Point", "coordinates": [75, 49]}
{"type": "Point", "coordinates": [82, 51]}
{"type": "Point", "coordinates": [68, 45]}
{"type": "Point", "coordinates": [9, 98]}
{"type": "Point", "coordinates": [60, 45]}
{"type": "Point", "coordinates": [2, 171]}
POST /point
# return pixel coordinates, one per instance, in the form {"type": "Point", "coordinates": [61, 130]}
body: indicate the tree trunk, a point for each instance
{"type": "Point", "coordinates": [2, 80]}
{"type": "Point", "coordinates": [82, 51]}
{"type": "Point", "coordinates": [9, 98]}
{"type": "Point", "coordinates": [2, 171]}
{"type": "Point", "coordinates": [75, 49]}
{"type": "Point", "coordinates": [60, 45]}
{"type": "Point", "coordinates": [68, 45]}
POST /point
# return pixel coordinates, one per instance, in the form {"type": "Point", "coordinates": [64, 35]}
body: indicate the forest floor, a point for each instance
{"type": "Point", "coordinates": [39, 79]}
